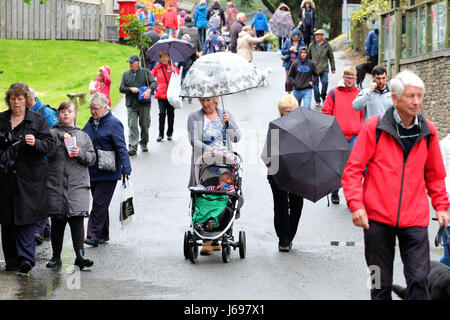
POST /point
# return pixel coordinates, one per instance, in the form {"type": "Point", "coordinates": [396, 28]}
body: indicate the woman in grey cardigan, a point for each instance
{"type": "Point", "coordinates": [208, 129]}
{"type": "Point", "coordinates": [68, 184]}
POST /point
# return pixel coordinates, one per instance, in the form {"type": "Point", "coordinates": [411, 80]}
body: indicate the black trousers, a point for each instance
{"type": "Point", "coordinates": [57, 234]}
{"type": "Point", "coordinates": [307, 35]}
{"type": "Point", "coordinates": [379, 243]}
{"type": "Point", "coordinates": [102, 193]}
{"type": "Point", "coordinates": [261, 45]}
{"type": "Point", "coordinates": [165, 108]}
{"type": "Point", "coordinates": [287, 209]}
{"type": "Point", "coordinates": [18, 243]}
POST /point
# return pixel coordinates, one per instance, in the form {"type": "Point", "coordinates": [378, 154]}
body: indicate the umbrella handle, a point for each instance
{"type": "Point", "coordinates": [223, 108]}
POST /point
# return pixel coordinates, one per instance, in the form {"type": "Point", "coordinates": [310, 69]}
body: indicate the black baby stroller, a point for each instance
{"type": "Point", "coordinates": [207, 169]}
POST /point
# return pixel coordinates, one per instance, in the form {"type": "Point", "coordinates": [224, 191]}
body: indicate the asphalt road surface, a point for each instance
{"type": "Point", "coordinates": [145, 260]}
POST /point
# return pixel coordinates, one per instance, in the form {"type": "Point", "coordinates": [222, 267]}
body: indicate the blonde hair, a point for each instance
{"type": "Point", "coordinates": [214, 99]}
{"type": "Point", "coordinates": [350, 70]}
{"type": "Point", "coordinates": [287, 104]}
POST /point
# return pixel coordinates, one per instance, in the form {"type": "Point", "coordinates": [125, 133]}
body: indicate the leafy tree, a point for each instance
{"type": "Point", "coordinates": [135, 29]}
{"type": "Point", "coordinates": [40, 1]}
{"type": "Point", "coordinates": [369, 11]}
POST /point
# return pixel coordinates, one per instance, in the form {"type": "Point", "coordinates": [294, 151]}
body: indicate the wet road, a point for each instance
{"type": "Point", "coordinates": [145, 260]}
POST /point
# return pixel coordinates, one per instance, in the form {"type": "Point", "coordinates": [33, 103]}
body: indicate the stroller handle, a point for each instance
{"type": "Point", "coordinates": [220, 193]}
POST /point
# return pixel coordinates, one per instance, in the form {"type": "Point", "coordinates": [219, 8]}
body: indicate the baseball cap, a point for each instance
{"type": "Point", "coordinates": [320, 31]}
{"type": "Point", "coordinates": [133, 58]}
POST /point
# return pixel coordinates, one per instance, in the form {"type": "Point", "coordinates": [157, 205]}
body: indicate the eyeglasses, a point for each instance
{"type": "Point", "coordinates": [349, 78]}
{"type": "Point", "coordinates": [95, 109]}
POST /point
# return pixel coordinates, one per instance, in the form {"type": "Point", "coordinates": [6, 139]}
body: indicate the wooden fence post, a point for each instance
{"type": "Point", "coordinates": [398, 39]}
{"type": "Point", "coordinates": [408, 33]}
{"type": "Point", "coordinates": [101, 17]}
{"type": "Point", "coordinates": [428, 28]}
{"type": "Point", "coordinates": [447, 24]}
{"type": "Point", "coordinates": [381, 36]}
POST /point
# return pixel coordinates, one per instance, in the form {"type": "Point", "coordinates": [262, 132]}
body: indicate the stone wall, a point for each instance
{"type": "Point", "coordinates": [433, 69]}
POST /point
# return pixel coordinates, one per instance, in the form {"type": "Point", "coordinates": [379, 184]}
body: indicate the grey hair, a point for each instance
{"type": "Point", "coordinates": [405, 78]}
{"type": "Point", "coordinates": [98, 99]}
{"type": "Point", "coordinates": [240, 15]}
{"type": "Point", "coordinates": [32, 94]}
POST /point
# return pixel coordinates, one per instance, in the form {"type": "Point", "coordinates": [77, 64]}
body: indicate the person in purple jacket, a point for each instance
{"type": "Point", "coordinates": [106, 133]}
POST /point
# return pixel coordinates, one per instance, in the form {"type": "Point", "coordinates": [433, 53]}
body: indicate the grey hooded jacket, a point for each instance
{"type": "Point", "coordinates": [373, 102]}
{"type": "Point", "coordinates": [68, 178]}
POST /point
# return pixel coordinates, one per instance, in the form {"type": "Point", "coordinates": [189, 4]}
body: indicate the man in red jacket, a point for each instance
{"type": "Point", "coordinates": [339, 105]}
{"type": "Point", "coordinates": [404, 162]}
{"type": "Point", "coordinates": [170, 21]}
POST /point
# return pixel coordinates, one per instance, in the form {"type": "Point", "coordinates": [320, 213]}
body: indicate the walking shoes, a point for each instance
{"type": "Point", "coordinates": [25, 267]}
{"type": "Point", "coordinates": [335, 198]}
{"type": "Point", "coordinates": [144, 148]}
{"type": "Point", "coordinates": [91, 242]}
{"type": "Point", "coordinates": [206, 249]}
{"type": "Point", "coordinates": [132, 152]}
{"type": "Point", "coordinates": [54, 263]}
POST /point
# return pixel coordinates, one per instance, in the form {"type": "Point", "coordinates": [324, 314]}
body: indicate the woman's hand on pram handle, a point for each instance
{"type": "Point", "coordinates": [226, 119]}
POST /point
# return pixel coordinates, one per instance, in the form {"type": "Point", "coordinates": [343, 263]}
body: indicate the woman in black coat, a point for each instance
{"type": "Point", "coordinates": [23, 177]}
{"type": "Point", "coordinates": [307, 20]}
{"type": "Point", "coordinates": [287, 206]}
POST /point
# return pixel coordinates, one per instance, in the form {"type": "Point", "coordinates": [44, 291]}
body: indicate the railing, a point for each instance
{"type": "Point", "coordinates": [56, 20]}
{"type": "Point", "coordinates": [412, 31]}
{"type": "Point", "coordinates": [111, 27]}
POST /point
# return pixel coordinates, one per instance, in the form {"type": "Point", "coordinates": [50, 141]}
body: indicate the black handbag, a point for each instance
{"type": "Point", "coordinates": [286, 57]}
{"type": "Point", "coordinates": [106, 160]}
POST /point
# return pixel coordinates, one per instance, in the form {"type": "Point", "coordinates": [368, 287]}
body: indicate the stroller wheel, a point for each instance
{"type": "Point", "coordinates": [226, 250]}
{"type": "Point", "coordinates": [193, 252]}
{"type": "Point", "coordinates": [242, 244]}
{"type": "Point", "coordinates": [187, 238]}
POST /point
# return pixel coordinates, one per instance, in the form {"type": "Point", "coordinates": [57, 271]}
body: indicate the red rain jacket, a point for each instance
{"type": "Point", "coordinates": [170, 18]}
{"type": "Point", "coordinates": [159, 72]}
{"type": "Point", "coordinates": [341, 108]}
{"type": "Point", "coordinates": [394, 191]}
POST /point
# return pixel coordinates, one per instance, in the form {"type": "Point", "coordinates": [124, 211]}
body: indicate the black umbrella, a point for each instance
{"type": "Point", "coordinates": [306, 153]}
{"type": "Point", "coordinates": [179, 50]}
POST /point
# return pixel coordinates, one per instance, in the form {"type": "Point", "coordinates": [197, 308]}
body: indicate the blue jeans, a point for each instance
{"type": "Point", "coordinates": [351, 142]}
{"type": "Point", "coordinates": [445, 258]}
{"type": "Point", "coordinates": [323, 93]}
{"type": "Point", "coordinates": [170, 32]}
{"type": "Point", "coordinates": [305, 94]}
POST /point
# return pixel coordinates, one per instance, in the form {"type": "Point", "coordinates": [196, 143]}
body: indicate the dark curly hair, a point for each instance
{"type": "Point", "coordinates": [19, 89]}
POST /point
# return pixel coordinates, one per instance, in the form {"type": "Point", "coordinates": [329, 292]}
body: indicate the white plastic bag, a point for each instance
{"type": "Point", "coordinates": [174, 90]}
{"type": "Point", "coordinates": [126, 203]}
{"type": "Point", "coordinates": [445, 150]}
{"type": "Point", "coordinates": [91, 86]}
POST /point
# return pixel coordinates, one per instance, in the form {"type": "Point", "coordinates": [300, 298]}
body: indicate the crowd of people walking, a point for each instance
{"type": "Point", "coordinates": [393, 146]}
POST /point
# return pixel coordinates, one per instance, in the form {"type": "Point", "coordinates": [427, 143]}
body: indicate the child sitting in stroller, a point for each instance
{"type": "Point", "coordinates": [210, 207]}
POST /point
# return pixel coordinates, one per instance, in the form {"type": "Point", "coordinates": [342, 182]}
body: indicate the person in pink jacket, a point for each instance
{"type": "Point", "coordinates": [103, 82]}
{"type": "Point", "coordinates": [170, 20]}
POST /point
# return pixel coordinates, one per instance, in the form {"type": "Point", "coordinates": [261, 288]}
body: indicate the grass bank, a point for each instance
{"type": "Point", "coordinates": [54, 68]}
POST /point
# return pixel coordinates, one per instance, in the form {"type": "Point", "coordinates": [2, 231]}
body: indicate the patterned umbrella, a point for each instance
{"type": "Point", "coordinates": [281, 23]}
{"type": "Point", "coordinates": [219, 74]}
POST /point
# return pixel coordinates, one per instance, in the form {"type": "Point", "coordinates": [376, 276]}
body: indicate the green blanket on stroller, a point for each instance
{"type": "Point", "coordinates": [209, 206]}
